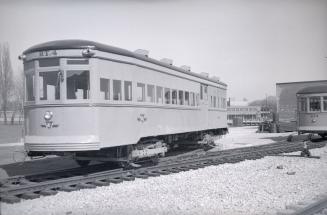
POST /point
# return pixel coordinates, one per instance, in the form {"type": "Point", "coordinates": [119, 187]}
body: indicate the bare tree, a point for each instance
{"type": "Point", "coordinates": [17, 96]}
{"type": "Point", "coordinates": [6, 74]}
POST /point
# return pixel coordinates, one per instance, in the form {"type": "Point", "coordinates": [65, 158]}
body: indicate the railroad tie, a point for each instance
{"type": "Point", "coordinates": [48, 192]}
{"type": "Point", "coordinates": [152, 173]}
{"type": "Point", "coordinates": [30, 195]}
{"type": "Point", "coordinates": [85, 186]}
{"type": "Point", "coordinates": [10, 199]}
{"type": "Point", "coordinates": [115, 180]}
{"type": "Point", "coordinates": [128, 178]}
{"type": "Point", "coordinates": [101, 183]}
{"type": "Point", "coordinates": [141, 175]}
{"type": "Point", "coordinates": [68, 188]}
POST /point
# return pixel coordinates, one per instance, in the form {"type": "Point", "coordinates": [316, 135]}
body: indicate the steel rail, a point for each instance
{"type": "Point", "coordinates": [31, 190]}
{"type": "Point", "coordinates": [313, 208]}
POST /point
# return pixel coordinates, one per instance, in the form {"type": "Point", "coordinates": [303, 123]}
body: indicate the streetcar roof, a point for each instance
{"type": "Point", "coordinates": [82, 44]}
{"type": "Point", "coordinates": [314, 89]}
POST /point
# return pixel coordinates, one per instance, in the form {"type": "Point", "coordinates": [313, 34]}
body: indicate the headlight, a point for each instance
{"type": "Point", "coordinates": [48, 115]}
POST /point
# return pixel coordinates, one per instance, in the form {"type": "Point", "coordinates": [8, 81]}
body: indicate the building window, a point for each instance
{"type": "Point", "coordinates": [324, 102]}
{"type": "Point", "coordinates": [187, 98]}
{"type": "Point", "coordinates": [140, 91]}
{"type": "Point", "coordinates": [159, 95]}
{"type": "Point", "coordinates": [49, 85]}
{"type": "Point", "coordinates": [314, 103]}
{"type": "Point", "coordinates": [128, 90]}
{"type": "Point", "coordinates": [174, 96]}
{"type": "Point", "coordinates": [181, 97]}
{"type": "Point", "coordinates": [303, 104]}
{"type": "Point", "coordinates": [30, 87]}
{"type": "Point", "coordinates": [150, 93]}
{"type": "Point", "coordinates": [116, 84]}
{"type": "Point", "coordinates": [78, 84]}
{"type": "Point", "coordinates": [104, 88]}
{"type": "Point", "coordinates": [167, 96]}
{"type": "Point", "coordinates": [49, 62]}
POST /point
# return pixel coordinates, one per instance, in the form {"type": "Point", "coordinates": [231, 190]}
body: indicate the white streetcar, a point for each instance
{"type": "Point", "coordinates": [95, 101]}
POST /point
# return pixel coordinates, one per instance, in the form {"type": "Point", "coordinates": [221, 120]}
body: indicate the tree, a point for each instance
{"type": "Point", "coordinates": [6, 81]}
{"type": "Point", "coordinates": [16, 102]}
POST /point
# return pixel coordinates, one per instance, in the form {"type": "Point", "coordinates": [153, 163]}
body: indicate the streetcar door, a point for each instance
{"type": "Point", "coordinates": [204, 105]}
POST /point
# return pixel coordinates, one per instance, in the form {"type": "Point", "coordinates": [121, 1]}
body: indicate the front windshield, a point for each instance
{"type": "Point", "coordinates": [78, 84]}
{"type": "Point", "coordinates": [49, 85]}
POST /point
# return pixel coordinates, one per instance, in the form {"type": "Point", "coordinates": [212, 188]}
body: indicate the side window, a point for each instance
{"type": "Point", "coordinates": [201, 91]}
{"type": "Point", "coordinates": [187, 98]}
{"type": "Point", "coordinates": [174, 96]}
{"type": "Point", "coordinates": [192, 100]}
{"type": "Point", "coordinates": [314, 103]}
{"type": "Point", "coordinates": [324, 102]}
{"type": "Point", "coordinates": [78, 84]}
{"type": "Point", "coordinates": [128, 90]}
{"type": "Point", "coordinates": [159, 95]}
{"type": "Point", "coordinates": [218, 102]}
{"type": "Point", "coordinates": [303, 104]}
{"type": "Point", "coordinates": [140, 90]}
{"type": "Point", "coordinates": [104, 88]}
{"type": "Point", "coordinates": [30, 87]}
{"type": "Point", "coordinates": [214, 102]}
{"type": "Point", "coordinates": [181, 97]}
{"type": "Point", "coordinates": [150, 93]}
{"type": "Point", "coordinates": [167, 96]}
{"type": "Point", "coordinates": [116, 89]}
{"type": "Point", "coordinates": [197, 100]}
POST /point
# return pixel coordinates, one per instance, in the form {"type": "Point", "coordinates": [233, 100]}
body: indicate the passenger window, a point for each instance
{"type": "Point", "coordinates": [49, 62]}
{"type": "Point", "coordinates": [181, 97]}
{"type": "Point", "coordinates": [174, 96]}
{"type": "Point", "coordinates": [167, 95]}
{"type": "Point", "coordinates": [49, 85]}
{"type": "Point", "coordinates": [192, 100]}
{"type": "Point", "coordinates": [218, 102]}
{"type": "Point", "coordinates": [104, 88]}
{"type": "Point", "coordinates": [116, 84]}
{"type": "Point", "coordinates": [30, 87]}
{"type": "Point", "coordinates": [214, 102]}
{"type": "Point", "coordinates": [187, 98]}
{"type": "Point", "coordinates": [303, 104]}
{"type": "Point", "coordinates": [325, 103]}
{"type": "Point", "coordinates": [128, 90]}
{"type": "Point", "coordinates": [78, 84]}
{"type": "Point", "coordinates": [150, 93]}
{"type": "Point", "coordinates": [314, 103]}
{"type": "Point", "coordinates": [140, 90]}
{"type": "Point", "coordinates": [159, 95]}
{"type": "Point", "coordinates": [197, 100]}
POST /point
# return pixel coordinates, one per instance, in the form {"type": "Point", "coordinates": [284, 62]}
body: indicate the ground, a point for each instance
{"type": "Point", "coordinates": [248, 187]}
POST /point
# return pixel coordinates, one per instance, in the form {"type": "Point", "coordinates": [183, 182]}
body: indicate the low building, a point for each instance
{"type": "Point", "coordinates": [240, 113]}
{"type": "Point", "coordinates": [287, 104]}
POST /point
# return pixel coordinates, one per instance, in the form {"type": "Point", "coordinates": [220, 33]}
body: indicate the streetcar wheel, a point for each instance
{"type": "Point", "coordinates": [83, 163]}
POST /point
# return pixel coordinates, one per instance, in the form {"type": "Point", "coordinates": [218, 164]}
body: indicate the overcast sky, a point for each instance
{"type": "Point", "coordinates": [249, 44]}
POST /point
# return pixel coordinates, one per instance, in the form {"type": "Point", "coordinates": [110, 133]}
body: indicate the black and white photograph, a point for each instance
{"type": "Point", "coordinates": [165, 107]}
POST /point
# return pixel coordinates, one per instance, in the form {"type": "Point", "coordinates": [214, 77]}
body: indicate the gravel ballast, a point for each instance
{"type": "Point", "coordinates": [249, 187]}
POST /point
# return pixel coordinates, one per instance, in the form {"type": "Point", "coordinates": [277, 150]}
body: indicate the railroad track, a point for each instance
{"type": "Point", "coordinates": [24, 188]}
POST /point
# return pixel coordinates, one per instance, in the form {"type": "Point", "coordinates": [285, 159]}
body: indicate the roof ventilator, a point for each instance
{"type": "Point", "coordinates": [143, 52]}
{"type": "Point", "coordinates": [186, 68]}
{"type": "Point", "coordinates": [205, 74]}
{"type": "Point", "coordinates": [167, 61]}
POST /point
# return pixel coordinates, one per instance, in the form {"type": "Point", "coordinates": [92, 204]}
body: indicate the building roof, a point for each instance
{"type": "Point", "coordinates": [315, 89]}
{"type": "Point", "coordinates": [298, 82]}
{"type": "Point", "coordinates": [82, 44]}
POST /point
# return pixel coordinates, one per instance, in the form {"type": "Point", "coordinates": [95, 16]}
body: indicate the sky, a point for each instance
{"type": "Point", "coordinates": [250, 44]}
